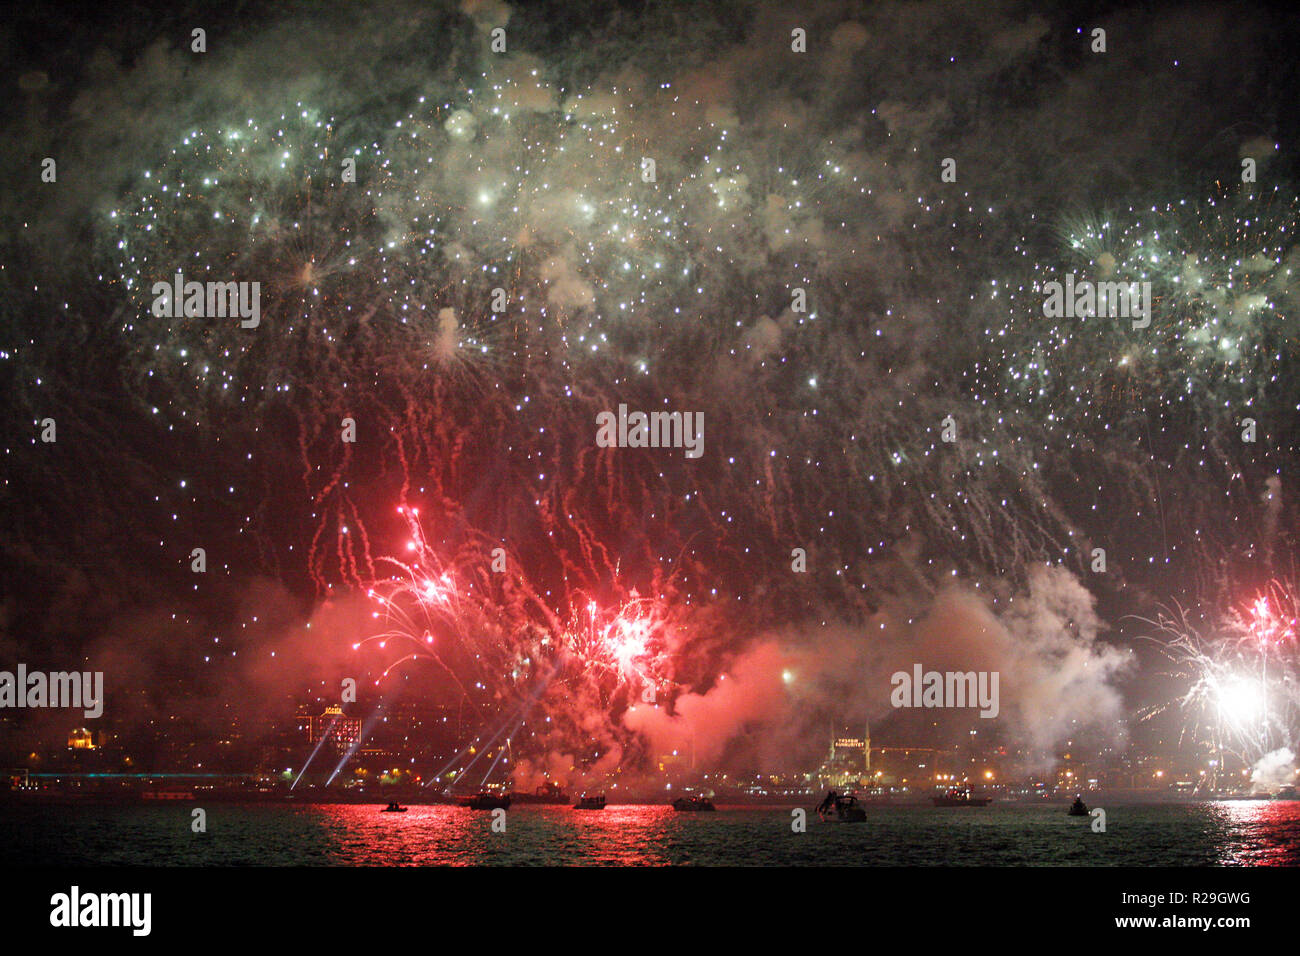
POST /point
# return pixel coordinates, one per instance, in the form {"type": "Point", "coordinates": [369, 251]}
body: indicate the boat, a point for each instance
{"type": "Point", "coordinates": [393, 808]}
{"type": "Point", "coordinates": [693, 804]}
{"type": "Point", "coordinates": [841, 807]}
{"type": "Point", "coordinates": [590, 803]}
{"type": "Point", "coordinates": [1078, 808]}
{"type": "Point", "coordinates": [1286, 793]}
{"type": "Point", "coordinates": [961, 797]}
{"type": "Point", "coordinates": [547, 793]}
{"type": "Point", "coordinates": [486, 801]}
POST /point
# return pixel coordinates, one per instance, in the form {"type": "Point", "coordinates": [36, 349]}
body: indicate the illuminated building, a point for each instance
{"type": "Point", "coordinates": [848, 763]}
{"type": "Point", "coordinates": [343, 731]}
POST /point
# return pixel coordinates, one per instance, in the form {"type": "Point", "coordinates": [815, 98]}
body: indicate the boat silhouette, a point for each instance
{"type": "Point", "coordinates": [547, 793]}
{"type": "Point", "coordinates": [961, 797]}
{"type": "Point", "coordinates": [485, 801]}
{"type": "Point", "coordinates": [841, 807]}
{"type": "Point", "coordinates": [693, 804]}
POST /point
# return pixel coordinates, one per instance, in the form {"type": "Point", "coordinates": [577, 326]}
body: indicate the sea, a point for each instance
{"type": "Point", "coordinates": [1229, 833]}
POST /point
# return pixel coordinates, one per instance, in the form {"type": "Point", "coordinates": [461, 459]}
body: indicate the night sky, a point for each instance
{"type": "Point", "coordinates": [794, 266]}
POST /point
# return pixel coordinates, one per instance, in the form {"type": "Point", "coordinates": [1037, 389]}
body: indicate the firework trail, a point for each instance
{"type": "Point", "coordinates": [507, 647]}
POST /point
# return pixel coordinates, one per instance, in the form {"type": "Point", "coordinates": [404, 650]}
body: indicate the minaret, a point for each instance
{"type": "Point", "coordinates": [866, 747]}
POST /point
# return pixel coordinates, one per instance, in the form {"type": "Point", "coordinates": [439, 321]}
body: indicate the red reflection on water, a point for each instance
{"type": "Point", "coordinates": [442, 835]}
{"type": "Point", "coordinates": [1260, 832]}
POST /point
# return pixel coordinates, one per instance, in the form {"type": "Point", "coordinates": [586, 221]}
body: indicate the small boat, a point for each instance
{"type": "Point", "coordinates": [547, 793]}
{"type": "Point", "coordinates": [486, 801]}
{"type": "Point", "coordinates": [842, 807]}
{"type": "Point", "coordinates": [1288, 792]}
{"type": "Point", "coordinates": [393, 808]}
{"type": "Point", "coordinates": [693, 804]}
{"type": "Point", "coordinates": [590, 803]}
{"type": "Point", "coordinates": [1078, 808]}
{"type": "Point", "coordinates": [961, 797]}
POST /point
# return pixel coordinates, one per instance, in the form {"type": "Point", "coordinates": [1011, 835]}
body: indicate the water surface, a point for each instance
{"type": "Point", "coordinates": [1226, 833]}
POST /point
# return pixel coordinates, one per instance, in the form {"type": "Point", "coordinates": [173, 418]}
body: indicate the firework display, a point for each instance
{"type": "Point", "coordinates": [511, 650]}
{"type": "Point", "coordinates": [1240, 682]}
{"type": "Point", "coordinates": [586, 400]}
{"type": "Point", "coordinates": [1221, 323]}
